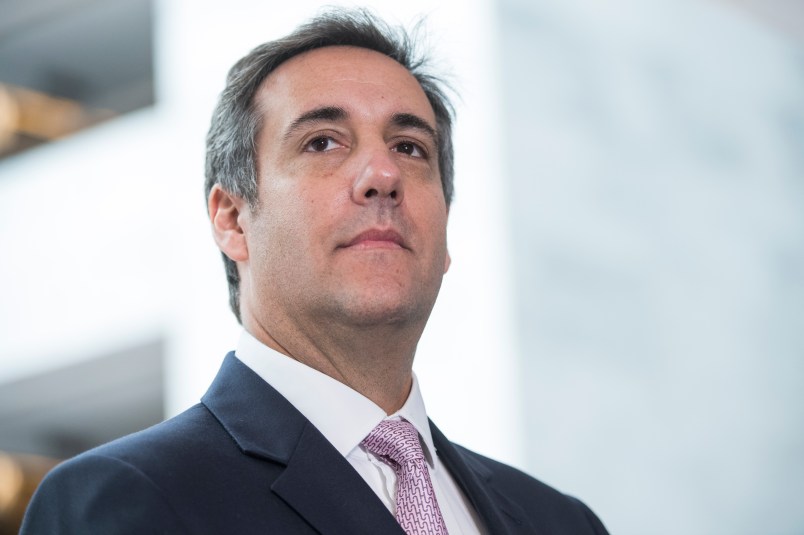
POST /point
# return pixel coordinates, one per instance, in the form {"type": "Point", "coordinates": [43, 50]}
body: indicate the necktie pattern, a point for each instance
{"type": "Point", "coordinates": [397, 441]}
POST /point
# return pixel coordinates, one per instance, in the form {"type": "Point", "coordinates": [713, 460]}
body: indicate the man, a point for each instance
{"type": "Point", "coordinates": [329, 177]}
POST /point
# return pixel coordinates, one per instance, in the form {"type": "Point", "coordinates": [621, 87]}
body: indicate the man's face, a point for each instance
{"type": "Point", "coordinates": [351, 221]}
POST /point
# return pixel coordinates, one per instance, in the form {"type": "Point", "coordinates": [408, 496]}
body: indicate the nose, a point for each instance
{"type": "Point", "coordinates": [378, 178]}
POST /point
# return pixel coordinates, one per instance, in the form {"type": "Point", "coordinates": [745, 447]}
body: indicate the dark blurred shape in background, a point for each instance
{"type": "Point", "coordinates": [68, 64]}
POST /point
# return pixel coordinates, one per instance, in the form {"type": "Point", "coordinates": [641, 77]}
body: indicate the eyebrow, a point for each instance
{"type": "Point", "coordinates": [408, 120]}
{"type": "Point", "coordinates": [326, 113]}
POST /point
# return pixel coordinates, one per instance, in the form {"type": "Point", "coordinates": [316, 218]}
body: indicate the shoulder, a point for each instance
{"type": "Point", "coordinates": [84, 494]}
{"type": "Point", "coordinates": [175, 443]}
{"type": "Point", "coordinates": [543, 505]}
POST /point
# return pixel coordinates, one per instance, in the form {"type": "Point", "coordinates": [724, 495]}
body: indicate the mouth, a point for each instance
{"type": "Point", "coordinates": [377, 239]}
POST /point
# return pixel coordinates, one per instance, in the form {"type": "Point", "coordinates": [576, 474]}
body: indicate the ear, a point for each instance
{"type": "Point", "coordinates": [224, 214]}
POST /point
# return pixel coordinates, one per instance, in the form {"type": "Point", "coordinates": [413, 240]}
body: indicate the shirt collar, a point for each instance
{"type": "Point", "coordinates": [414, 412]}
{"type": "Point", "coordinates": [343, 415]}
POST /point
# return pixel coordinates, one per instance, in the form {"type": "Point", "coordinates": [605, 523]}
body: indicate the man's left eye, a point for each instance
{"type": "Point", "coordinates": [411, 149]}
{"type": "Point", "coordinates": [321, 144]}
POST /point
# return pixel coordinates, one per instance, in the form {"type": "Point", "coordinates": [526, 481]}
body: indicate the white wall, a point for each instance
{"type": "Point", "coordinates": [655, 152]}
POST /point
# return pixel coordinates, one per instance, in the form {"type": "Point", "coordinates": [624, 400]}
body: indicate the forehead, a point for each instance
{"type": "Point", "coordinates": [363, 82]}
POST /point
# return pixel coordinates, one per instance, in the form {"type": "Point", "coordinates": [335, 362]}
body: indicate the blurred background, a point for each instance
{"type": "Point", "coordinates": [624, 315]}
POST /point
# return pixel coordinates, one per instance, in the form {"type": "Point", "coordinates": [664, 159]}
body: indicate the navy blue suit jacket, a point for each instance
{"type": "Point", "coordinates": [246, 461]}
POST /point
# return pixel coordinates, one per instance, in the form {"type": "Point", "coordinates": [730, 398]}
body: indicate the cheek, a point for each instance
{"type": "Point", "coordinates": [302, 221]}
{"type": "Point", "coordinates": [434, 215]}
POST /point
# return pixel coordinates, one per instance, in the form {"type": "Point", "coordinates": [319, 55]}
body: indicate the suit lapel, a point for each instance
{"type": "Point", "coordinates": [500, 515]}
{"type": "Point", "coordinates": [317, 482]}
{"type": "Point", "coordinates": [324, 488]}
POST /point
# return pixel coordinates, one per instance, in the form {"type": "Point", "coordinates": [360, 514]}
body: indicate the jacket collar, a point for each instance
{"type": "Point", "coordinates": [499, 514]}
{"type": "Point", "coordinates": [317, 482]}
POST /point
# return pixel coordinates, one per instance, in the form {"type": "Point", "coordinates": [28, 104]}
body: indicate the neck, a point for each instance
{"type": "Point", "coordinates": [375, 361]}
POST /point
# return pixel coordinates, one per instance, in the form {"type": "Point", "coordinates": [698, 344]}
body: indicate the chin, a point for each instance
{"type": "Point", "coordinates": [381, 309]}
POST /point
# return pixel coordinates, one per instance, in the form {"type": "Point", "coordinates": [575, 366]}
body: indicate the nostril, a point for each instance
{"type": "Point", "coordinates": [371, 193]}
{"type": "Point", "coordinates": [393, 194]}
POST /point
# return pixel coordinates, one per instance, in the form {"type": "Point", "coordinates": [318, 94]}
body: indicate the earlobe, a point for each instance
{"type": "Point", "coordinates": [224, 214]}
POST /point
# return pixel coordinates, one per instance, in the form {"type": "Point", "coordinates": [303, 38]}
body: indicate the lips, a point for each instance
{"type": "Point", "coordinates": [379, 239]}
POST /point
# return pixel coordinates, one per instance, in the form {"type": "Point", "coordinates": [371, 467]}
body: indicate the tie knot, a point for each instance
{"type": "Point", "coordinates": [397, 440]}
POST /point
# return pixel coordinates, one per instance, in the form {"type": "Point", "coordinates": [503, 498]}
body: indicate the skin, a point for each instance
{"type": "Point", "coordinates": [342, 258]}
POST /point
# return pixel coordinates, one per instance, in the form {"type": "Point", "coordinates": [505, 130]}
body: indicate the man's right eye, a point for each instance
{"type": "Point", "coordinates": [321, 144]}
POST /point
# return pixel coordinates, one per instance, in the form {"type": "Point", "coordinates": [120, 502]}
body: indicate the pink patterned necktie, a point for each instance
{"type": "Point", "coordinates": [397, 441]}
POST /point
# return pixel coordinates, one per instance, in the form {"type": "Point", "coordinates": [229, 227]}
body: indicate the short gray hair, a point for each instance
{"type": "Point", "coordinates": [236, 121]}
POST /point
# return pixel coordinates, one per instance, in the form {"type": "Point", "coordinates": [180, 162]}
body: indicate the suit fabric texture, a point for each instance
{"type": "Point", "coordinates": [245, 461]}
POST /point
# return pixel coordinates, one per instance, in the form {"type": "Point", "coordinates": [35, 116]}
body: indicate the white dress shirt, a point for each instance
{"type": "Point", "coordinates": [345, 417]}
